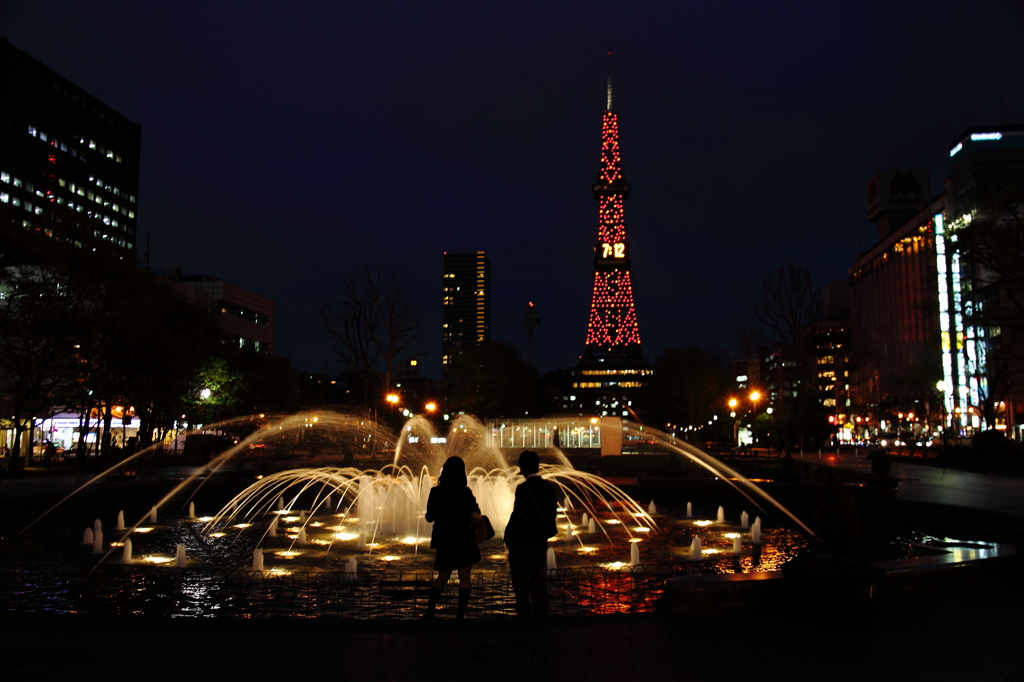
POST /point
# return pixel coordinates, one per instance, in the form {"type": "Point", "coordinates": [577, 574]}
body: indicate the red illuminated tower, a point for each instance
{"type": "Point", "coordinates": [612, 331]}
{"type": "Point", "coordinates": [612, 368]}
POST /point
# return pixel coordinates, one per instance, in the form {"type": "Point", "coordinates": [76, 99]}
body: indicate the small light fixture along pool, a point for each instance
{"type": "Point", "coordinates": [346, 536]}
{"type": "Point", "coordinates": [241, 525]}
{"type": "Point", "coordinates": [143, 530]}
{"type": "Point", "coordinates": [413, 540]}
{"type": "Point", "coordinates": [288, 553]}
{"type": "Point", "coordinates": [152, 559]}
{"type": "Point", "coordinates": [703, 523]}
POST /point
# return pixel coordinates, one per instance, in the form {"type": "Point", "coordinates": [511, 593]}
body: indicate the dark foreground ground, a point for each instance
{"type": "Point", "coordinates": [971, 636]}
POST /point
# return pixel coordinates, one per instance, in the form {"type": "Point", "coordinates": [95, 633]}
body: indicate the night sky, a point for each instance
{"type": "Point", "coordinates": [285, 146]}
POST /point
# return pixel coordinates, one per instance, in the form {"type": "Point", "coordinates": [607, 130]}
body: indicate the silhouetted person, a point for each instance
{"type": "Point", "coordinates": [526, 536]}
{"type": "Point", "coordinates": [451, 507]}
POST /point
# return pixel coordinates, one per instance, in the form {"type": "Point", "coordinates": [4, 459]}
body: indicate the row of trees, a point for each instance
{"type": "Point", "coordinates": [87, 332]}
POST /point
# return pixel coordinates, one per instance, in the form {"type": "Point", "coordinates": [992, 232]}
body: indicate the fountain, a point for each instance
{"type": "Point", "coordinates": [323, 518]}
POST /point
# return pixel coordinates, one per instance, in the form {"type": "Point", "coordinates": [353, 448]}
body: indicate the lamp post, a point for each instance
{"type": "Point", "coordinates": [735, 423]}
{"type": "Point", "coordinates": [754, 397]}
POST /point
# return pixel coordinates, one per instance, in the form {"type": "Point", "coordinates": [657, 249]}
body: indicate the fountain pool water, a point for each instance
{"type": "Point", "coordinates": [359, 520]}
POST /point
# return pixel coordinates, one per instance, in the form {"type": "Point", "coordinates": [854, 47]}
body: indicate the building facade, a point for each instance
{"type": "Point", "coordinates": [924, 339]}
{"type": "Point", "coordinates": [69, 164]}
{"type": "Point", "coordinates": [466, 305]}
{"type": "Point", "coordinates": [247, 318]}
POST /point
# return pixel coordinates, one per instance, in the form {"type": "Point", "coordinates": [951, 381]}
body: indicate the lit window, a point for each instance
{"type": "Point", "coordinates": [5, 177]}
{"type": "Point", "coordinates": [3, 197]}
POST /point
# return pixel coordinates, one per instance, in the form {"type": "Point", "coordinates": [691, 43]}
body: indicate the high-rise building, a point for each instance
{"type": "Point", "coordinates": [466, 317]}
{"type": "Point", "coordinates": [924, 315]}
{"type": "Point", "coordinates": [69, 164]}
{"type": "Point", "coordinates": [613, 365]}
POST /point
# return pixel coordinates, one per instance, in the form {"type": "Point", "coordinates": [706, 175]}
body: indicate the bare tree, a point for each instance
{"type": "Point", "coordinates": [790, 301]}
{"type": "Point", "coordinates": [373, 325]}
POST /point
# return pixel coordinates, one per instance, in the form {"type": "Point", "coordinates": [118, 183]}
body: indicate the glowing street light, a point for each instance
{"type": "Point", "coordinates": [430, 407]}
{"type": "Point", "coordinates": [754, 397]}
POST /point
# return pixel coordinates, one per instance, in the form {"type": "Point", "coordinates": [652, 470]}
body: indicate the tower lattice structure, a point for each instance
{"type": "Point", "coordinates": [612, 331]}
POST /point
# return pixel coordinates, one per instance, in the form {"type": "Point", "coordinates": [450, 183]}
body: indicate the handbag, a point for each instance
{"type": "Point", "coordinates": [482, 529]}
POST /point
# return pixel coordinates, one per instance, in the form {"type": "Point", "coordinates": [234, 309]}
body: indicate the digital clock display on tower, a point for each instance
{"type": "Point", "coordinates": [616, 250]}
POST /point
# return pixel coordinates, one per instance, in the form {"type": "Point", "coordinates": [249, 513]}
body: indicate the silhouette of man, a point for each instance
{"type": "Point", "coordinates": [526, 537]}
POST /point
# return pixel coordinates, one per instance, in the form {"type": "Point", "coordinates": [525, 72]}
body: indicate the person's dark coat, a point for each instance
{"type": "Point", "coordinates": [534, 511]}
{"type": "Point", "coordinates": [450, 510]}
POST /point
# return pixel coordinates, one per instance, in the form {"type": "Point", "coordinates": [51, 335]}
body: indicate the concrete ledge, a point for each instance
{"type": "Point", "coordinates": [710, 596]}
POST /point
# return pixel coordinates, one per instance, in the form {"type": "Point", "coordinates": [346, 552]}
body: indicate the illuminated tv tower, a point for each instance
{"type": "Point", "coordinates": [612, 331]}
{"type": "Point", "coordinates": [612, 369]}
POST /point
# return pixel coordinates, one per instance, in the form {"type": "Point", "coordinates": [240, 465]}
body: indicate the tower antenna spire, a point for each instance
{"type": "Point", "coordinates": [608, 106]}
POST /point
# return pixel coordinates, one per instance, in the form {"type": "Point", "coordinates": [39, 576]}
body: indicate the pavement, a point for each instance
{"type": "Point", "coordinates": [972, 635]}
{"type": "Point", "coordinates": [926, 483]}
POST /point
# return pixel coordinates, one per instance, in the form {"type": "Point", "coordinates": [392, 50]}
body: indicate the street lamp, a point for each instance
{"type": "Point", "coordinates": [754, 397]}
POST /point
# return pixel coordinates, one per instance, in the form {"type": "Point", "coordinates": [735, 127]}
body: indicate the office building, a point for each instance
{"type": "Point", "coordinates": [246, 318]}
{"type": "Point", "coordinates": [69, 164]}
{"type": "Point", "coordinates": [924, 314]}
{"type": "Point", "coordinates": [466, 308]}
